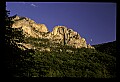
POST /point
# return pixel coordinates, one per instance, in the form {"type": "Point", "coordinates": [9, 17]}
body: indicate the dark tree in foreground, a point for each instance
{"type": "Point", "coordinates": [12, 52]}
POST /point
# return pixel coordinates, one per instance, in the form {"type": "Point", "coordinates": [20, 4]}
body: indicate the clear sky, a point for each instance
{"type": "Point", "coordinates": [94, 21]}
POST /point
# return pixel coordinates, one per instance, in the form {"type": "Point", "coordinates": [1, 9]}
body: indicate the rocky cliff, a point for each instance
{"type": "Point", "coordinates": [60, 34]}
{"type": "Point", "coordinates": [65, 36]}
{"type": "Point", "coordinates": [30, 28]}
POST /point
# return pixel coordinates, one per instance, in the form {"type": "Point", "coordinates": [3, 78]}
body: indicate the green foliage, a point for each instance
{"type": "Point", "coordinates": [59, 62]}
{"type": "Point", "coordinates": [108, 48]}
{"type": "Point", "coordinates": [82, 63]}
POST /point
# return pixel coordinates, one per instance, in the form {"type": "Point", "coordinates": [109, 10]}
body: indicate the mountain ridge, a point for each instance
{"type": "Point", "coordinates": [60, 34]}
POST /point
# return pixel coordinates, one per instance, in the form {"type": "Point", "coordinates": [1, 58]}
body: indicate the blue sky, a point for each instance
{"type": "Point", "coordinates": [94, 21]}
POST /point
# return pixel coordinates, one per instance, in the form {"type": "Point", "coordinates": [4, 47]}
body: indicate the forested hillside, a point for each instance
{"type": "Point", "coordinates": [108, 48]}
{"type": "Point", "coordinates": [48, 59]}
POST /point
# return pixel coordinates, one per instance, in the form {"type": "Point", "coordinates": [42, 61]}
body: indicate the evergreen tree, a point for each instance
{"type": "Point", "coordinates": [12, 52]}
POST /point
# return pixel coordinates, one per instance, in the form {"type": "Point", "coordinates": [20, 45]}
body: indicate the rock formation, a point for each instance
{"type": "Point", "coordinates": [65, 36]}
{"type": "Point", "coordinates": [30, 28]}
{"type": "Point", "coordinates": [60, 34]}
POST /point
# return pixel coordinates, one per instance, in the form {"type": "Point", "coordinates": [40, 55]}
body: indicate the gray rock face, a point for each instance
{"type": "Point", "coordinates": [60, 34]}
{"type": "Point", "coordinates": [66, 36]}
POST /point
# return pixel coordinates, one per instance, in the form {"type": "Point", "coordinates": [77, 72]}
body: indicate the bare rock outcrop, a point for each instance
{"type": "Point", "coordinates": [30, 28]}
{"type": "Point", "coordinates": [65, 36]}
{"type": "Point", "coordinates": [60, 34]}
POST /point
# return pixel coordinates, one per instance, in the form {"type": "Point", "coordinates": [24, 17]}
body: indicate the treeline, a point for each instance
{"type": "Point", "coordinates": [81, 62]}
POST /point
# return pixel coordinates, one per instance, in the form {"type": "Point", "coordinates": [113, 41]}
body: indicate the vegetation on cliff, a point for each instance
{"type": "Point", "coordinates": [60, 61]}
